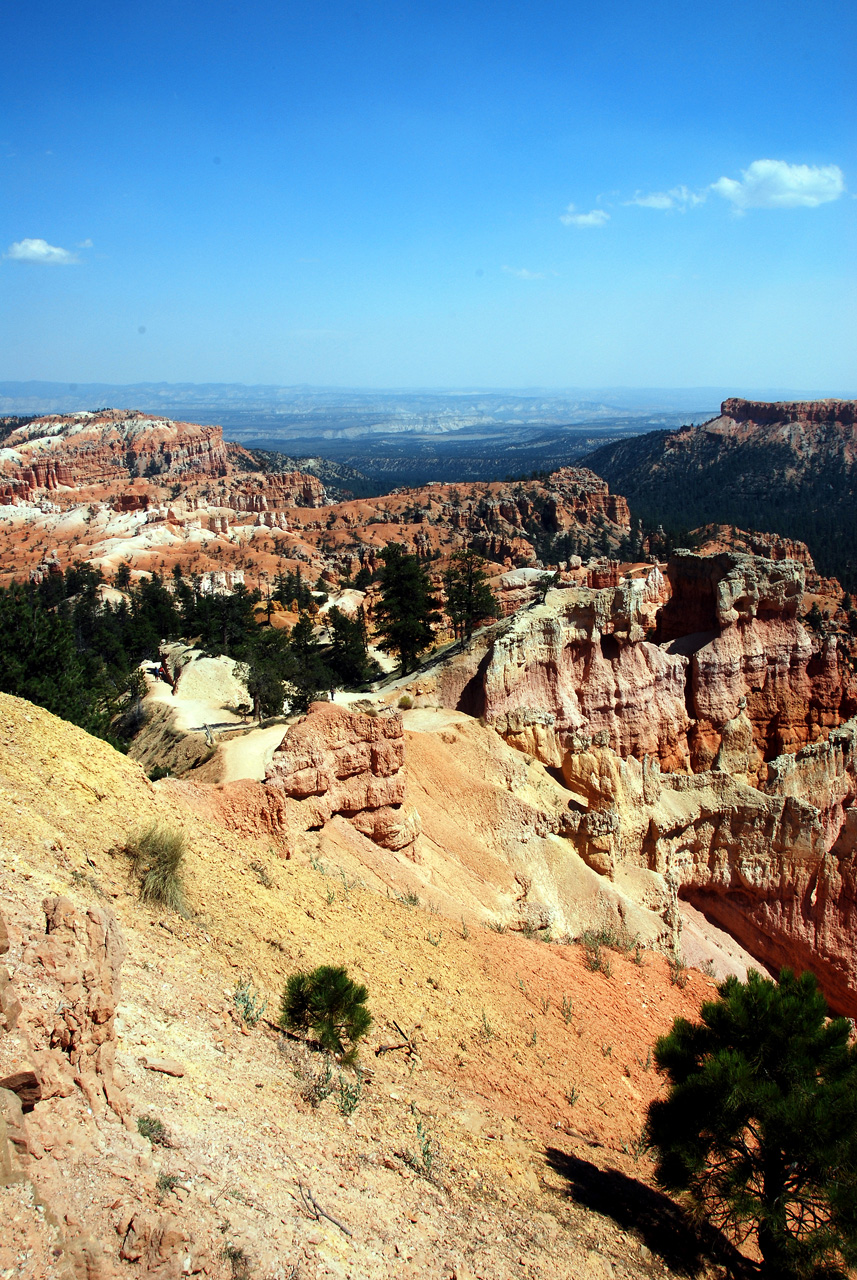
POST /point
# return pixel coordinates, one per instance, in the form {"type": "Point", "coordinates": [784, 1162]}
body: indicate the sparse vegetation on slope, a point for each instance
{"type": "Point", "coordinates": [244, 1140]}
{"type": "Point", "coordinates": [157, 854]}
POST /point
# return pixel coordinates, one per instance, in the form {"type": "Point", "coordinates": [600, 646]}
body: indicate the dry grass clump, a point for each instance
{"type": "Point", "coordinates": [157, 854]}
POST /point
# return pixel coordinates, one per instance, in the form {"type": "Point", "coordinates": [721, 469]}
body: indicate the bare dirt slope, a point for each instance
{"type": "Point", "coordinates": [501, 1143]}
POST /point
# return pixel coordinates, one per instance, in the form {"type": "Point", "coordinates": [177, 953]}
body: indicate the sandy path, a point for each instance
{"type": "Point", "coordinates": [248, 755]}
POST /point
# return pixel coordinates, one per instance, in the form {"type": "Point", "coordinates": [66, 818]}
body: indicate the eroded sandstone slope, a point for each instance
{"type": "Point", "coordinates": [527, 1073]}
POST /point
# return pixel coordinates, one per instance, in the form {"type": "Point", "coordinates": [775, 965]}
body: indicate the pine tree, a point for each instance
{"type": "Point", "coordinates": [469, 598]}
{"type": "Point", "coordinates": [268, 667]}
{"type": "Point", "coordinates": [41, 662]}
{"type": "Point", "coordinates": [307, 674]}
{"type": "Point", "coordinates": [348, 659]}
{"type": "Point", "coordinates": [759, 1128]}
{"type": "Point", "coordinates": [329, 1004]}
{"type": "Point", "coordinates": [408, 609]}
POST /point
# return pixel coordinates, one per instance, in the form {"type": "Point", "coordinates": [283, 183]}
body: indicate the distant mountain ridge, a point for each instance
{"type": "Point", "coordinates": [405, 436]}
{"type": "Point", "coordinates": [787, 467]}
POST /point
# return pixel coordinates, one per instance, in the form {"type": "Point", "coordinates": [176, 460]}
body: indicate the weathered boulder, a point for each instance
{"type": "Point", "coordinates": [336, 761]}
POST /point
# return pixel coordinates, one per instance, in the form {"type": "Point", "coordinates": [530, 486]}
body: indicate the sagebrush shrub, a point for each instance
{"type": "Point", "coordinates": [155, 1130]}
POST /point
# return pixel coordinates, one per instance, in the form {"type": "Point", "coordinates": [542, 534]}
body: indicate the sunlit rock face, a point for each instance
{"type": "Point", "coordinates": [776, 866]}
{"type": "Point", "coordinates": [735, 617]}
{"type": "Point", "coordinates": [96, 448]}
{"type": "Point", "coordinates": [339, 762]}
{"type": "Point", "coordinates": [580, 664]}
{"type": "Point", "coordinates": [708, 666]}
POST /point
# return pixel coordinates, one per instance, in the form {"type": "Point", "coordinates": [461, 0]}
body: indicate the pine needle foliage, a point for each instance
{"type": "Point", "coordinates": [328, 1004]}
{"type": "Point", "coordinates": [469, 599]}
{"type": "Point", "coordinates": [759, 1128]}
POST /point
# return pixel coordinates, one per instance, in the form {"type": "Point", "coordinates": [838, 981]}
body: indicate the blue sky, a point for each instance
{"type": "Point", "coordinates": [644, 193]}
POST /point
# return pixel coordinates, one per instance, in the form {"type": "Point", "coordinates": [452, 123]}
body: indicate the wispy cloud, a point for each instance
{"type": "Point", "coordinates": [40, 251]}
{"type": "Point", "coordinates": [676, 198]}
{"type": "Point", "coordinates": [523, 274]}
{"type": "Point", "coordinates": [765, 184]}
{"type": "Point", "coordinates": [595, 218]}
{"type": "Point", "coordinates": [775, 184]}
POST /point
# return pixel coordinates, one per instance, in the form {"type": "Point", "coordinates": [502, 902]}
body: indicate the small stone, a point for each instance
{"type": "Point", "coordinates": [166, 1066]}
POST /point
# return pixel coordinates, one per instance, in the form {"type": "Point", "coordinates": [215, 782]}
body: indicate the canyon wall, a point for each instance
{"type": "Point", "coordinates": [721, 760]}
{"type": "Point", "coordinates": [803, 412]}
{"type": "Point", "coordinates": [776, 866]}
{"type": "Point", "coordinates": [730, 644]}
{"type": "Point", "coordinates": [99, 448]}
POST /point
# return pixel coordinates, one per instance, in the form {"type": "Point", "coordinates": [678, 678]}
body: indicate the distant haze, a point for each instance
{"type": "Point", "coordinates": [414, 406]}
{"type": "Point", "coordinates": [404, 437]}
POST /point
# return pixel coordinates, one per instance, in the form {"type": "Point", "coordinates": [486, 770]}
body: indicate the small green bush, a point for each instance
{"type": "Point", "coordinates": [155, 1130]}
{"type": "Point", "coordinates": [157, 854]}
{"type": "Point", "coordinates": [166, 1183]}
{"type": "Point", "coordinates": [239, 1261]}
{"type": "Point", "coordinates": [349, 1096]}
{"type": "Point", "coordinates": [247, 1004]}
{"type": "Point", "coordinates": [405, 702]}
{"type": "Point", "coordinates": [593, 956]}
{"type": "Point", "coordinates": [330, 1005]}
{"type": "Point", "coordinates": [424, 1161]}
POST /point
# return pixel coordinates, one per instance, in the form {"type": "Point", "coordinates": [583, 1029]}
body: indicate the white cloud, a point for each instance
{"type": "Point", "coordinates": [595, 218]}
{"type": "Point", "coordinates": [523, 274]}
{"type": "Point", "coordinates": [774, 184]}
{"type": "Point", "coordinates": [676, 198]}
{"type": "Point", "coordinates": [85, 244]}
{"type": "Point", "coordinates": [40, 251]}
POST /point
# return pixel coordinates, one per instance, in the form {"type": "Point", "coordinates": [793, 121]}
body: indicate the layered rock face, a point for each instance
{"type": "Point", "coordinates": [580, 664]}
{"type": "Point", "coordinates": [99, 448]}
{"type": "Point", "coordinates": [798, 413]}
{"type": "Point", "coordinates": [720, 761]}
{"type": "Point", "coordinates": [338, 762]}
{"type": "Point", "coordinates": [734, 666]}
{"type": "Point", "coordinates": [735, 617]}
{"type": "Point", "coordinates": [771, 546]}
{"type": "Point", "coordinates": [776, 866]}
{"type": "Point", "coordinates": [276, 491]}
